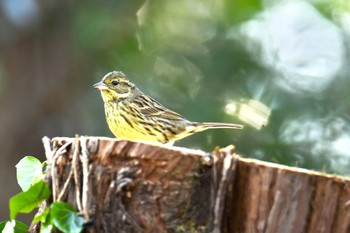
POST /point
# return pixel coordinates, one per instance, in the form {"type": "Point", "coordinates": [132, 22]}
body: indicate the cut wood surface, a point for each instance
{"type": "Point", "coordinates": [123, 186]}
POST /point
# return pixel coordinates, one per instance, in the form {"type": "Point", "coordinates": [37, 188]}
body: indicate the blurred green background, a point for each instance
{"type": "Point", "coordinates": [284, 64]}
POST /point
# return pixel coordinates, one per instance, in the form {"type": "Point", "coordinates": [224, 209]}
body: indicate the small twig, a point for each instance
{"type": "Point", "coordinates": [85, 162]}
{"type": "Point", "coordinates": [47, 147]}
{"type": "Point", "coordinates": [75, 172]}
{"type": "Point", "coordinates": [229, 165]}
{"type": "Point", "coordinates": [53, 178]}
{"type": "Point", "coordinates": [52, 162]}
{"type": "Point", "coordinates": [214, 179]}
{"type": "Point", "coordinates": [49, 156]}
{"type": "Point", "coordinates": [62, 149]}
{"type": "Point", "coordinates": [65, 186]}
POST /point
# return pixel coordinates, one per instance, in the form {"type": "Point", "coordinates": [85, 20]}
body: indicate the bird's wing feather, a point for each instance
{"type": "Point", "coordinates": [152, 108]}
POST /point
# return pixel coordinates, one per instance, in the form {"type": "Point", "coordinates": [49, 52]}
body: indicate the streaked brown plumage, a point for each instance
{"type": "Point", "coordinates": [132, 115]}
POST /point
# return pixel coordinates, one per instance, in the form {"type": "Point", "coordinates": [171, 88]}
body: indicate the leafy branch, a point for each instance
{"type": "Point", "coordinates": [31, 179]}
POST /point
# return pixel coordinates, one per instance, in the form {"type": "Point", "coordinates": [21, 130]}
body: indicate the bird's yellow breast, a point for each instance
{"type": "Point", "coordinates": [125, 125]}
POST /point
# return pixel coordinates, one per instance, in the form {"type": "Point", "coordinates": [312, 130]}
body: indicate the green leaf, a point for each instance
{"type": "Point", "coordinates": [25, 202]}
{"type": "Point", "coordinates": [9, 227]}
{"type": "Point", "coordinates": [65, 218]}
{"type": "Point", "coordinates": [46, 221]}
{"type": "Point", "coordinates": [44, 166]}
{"type": "Point", "coordinates": [2, 225]}
{"type": "Point", "coordinates": [13, 226]}
{"type": "Point", "coordinates": [42, 216]}
{"type": "Point", "coordinates": [29, 172]}
{"type": "Point", "coordinates": [46, 228]}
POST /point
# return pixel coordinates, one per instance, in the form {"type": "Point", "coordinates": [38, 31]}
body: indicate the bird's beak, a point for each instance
{"type": "Point", "coordinates": [100, 86]}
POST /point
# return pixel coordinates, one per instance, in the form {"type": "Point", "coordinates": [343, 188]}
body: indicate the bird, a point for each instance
{"type": "Point", "coordinates": [133, 115]}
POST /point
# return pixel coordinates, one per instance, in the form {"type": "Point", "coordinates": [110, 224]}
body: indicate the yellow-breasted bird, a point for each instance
{"type": "Point", "coordinates": [132, 115]}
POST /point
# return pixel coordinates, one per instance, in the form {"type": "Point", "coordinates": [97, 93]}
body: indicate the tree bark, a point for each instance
{"type": "Point", "coordinates": [123, 186]}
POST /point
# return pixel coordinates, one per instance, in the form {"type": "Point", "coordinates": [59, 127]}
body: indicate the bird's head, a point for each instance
{"type": "Point", "coordinates": [115, 86]}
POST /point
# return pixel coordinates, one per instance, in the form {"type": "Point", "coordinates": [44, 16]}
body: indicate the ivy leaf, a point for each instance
{"type": "Point", "coordinates": [46, 228]}
{"type": "Point", "coordinates": [42, 217]}
{"type": "Point", "coordinates": [29, 171]}
{"type": "Point", "coordinates": [46, 221]}
{"type": "Point", "coordinates": [65, 218]}
{"type": "Point", "coordinates": [13, 226]}
{"type": "Point", "coordinates": [25, 202]}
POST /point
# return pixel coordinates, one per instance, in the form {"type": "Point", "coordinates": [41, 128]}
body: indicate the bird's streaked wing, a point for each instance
{"type": "Point", "coordinates": [152, 108]}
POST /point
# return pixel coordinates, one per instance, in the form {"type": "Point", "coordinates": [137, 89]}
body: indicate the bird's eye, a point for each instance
{"type": "Point", "coordinates": [115, 82]}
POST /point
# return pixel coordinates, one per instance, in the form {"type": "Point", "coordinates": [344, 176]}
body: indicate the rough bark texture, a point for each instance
{"type": "Point", "coordinates": [122, 186]}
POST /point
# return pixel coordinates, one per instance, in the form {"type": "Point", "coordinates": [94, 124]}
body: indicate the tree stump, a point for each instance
{"type": "Point", "coordinates": [124, 186]}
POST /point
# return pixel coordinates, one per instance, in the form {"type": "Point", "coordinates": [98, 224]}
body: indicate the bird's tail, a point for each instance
{"type": "Point", "coordinates": [201, 126]}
